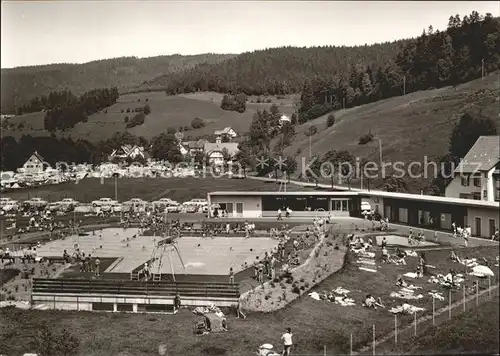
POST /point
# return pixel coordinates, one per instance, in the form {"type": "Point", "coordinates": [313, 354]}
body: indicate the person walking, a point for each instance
{"type": "Point", "coordinates": [279, 214]}
{"type": "Point", "coordinates": [239, 311]}
{"type": "Point", "coordinates": [231, 276]}
{"type": "Point", "coordinates": [287, 342]}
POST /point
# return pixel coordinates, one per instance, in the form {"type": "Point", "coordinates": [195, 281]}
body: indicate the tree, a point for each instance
{"type": "Point", "coordinates": [126, 119]}
{"type": "Point", "coordinates": [197, 123]}
{"type": "Point", "coordinates": [395, 184]}
{"type": "Point", "coordinates": [245, 157]}
{"type": "Point", "coordinates": [147, 109]}
{"type": "Point", "coordinates": [166, 147]}
{"type": "Point", "coordinates": [467, 131]}
{"type": "Point", "coordinates": [171, 130]}
{"type": "Point", "coordinates": [330, 120]}
{"type": "Point", "coordinates": [290, 166]}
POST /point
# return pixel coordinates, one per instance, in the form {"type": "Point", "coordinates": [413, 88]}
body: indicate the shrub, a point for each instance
{"type": "Point", "coordinates": [147, 109]}
{"type": "Point", "coordinates": [289, 280]}
{"type": "Point", "coordinates": [197, 123]}
{"type": "Point", "coordinates": [330, 120]}
{"type": "Point", "coordinates": [363, 140]}
{"type": "Point", "coordinates": [128, 110]}
{"type": "Point", "coordinates": [313, 130]}
{"type": "Point", "coordinates": [234, 102]}
{"type": "Point", "coordinates": [122, 111]}
{"type": "Point", "coordinates": [296, 290]}
{"type": "Point", "coordinates": [276, 280]}
{"type": "Point", "coordinates": [126, 119]}
{"type": "Point", "coordinates": [137, 120]}
{"type": "Point", "coordinates": [302, 288]}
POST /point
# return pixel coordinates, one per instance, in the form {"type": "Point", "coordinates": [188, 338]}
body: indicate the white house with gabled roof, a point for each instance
{"type": "Point", "coordinates": [478, 174]}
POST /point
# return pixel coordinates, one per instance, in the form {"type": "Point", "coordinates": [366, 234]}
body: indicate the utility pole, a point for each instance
{"type": "Point", "coordinates": [116, 190]}
{"type": "Point", "coordinates": [482, 69]}
{"type": "Point", "coordinates": [343, 103]}
{"type": "Point", "coordinates": [404, 85]}
{"type": "Point", "coordinates": [310, 151]}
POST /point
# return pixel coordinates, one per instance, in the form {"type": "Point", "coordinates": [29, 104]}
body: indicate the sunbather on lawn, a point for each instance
{"type": "Point", "coordinates": [371, 302]}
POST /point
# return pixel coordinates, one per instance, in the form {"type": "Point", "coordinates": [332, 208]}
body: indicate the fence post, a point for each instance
{"type": "Point", "coordinates": [449, 307]}
{"type": "Point", "coordinates": [489, 287]}
{"type": "Point", "coordinates": [433, 310]}
{"type": "Point", "coordinates": [324, 350]}
{"type": "Point", "coordinates": [351, 344]}
{"type": "Point", "coordinates": [395, 329]}
{"type": "Point", "coordinates": [373, 339]}
{"type": "Point", "coordinates": [477, 293]}
{"type": "Point", "coordinates": [464, 296]}
{"type": "Point", "coordinates": [415, 323]}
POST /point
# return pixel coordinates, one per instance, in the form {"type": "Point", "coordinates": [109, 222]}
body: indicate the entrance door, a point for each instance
{"type": "Point", "coordinates": [492, 227]}
{"type": "Point", "coordinates": [239, 209]}
{"type": "Point", "coordinates": [229, 207]}
{"type": "Point", "coordinates": [478, 226]}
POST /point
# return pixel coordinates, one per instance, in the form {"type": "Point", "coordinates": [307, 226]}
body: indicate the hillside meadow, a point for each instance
{"type": "Point", "coordinates": [410, 127]}
{"type": "Point", "coordinates": [166, 111]}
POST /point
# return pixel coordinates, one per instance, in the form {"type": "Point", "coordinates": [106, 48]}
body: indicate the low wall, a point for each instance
{"type": "Point", "coordinates": [130, 303]}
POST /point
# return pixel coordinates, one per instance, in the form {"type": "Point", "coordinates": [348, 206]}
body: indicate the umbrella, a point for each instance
{"type": "Point", "coordinates": [482, 271]}
{"type": "Point", "coordinates": [266, 346]}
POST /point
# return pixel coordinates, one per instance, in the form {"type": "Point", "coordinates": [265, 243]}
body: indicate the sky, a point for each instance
{"type": "Point", "coordinates": [35, 32]}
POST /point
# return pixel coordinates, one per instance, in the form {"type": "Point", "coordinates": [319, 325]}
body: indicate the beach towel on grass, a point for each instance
{"type": "Point", "coordinates": [436, 295]}
{"type": "Point", "coordinates": [411, 253]}
{"type": "Point", "coordinates": [314, 295]}
{"type": "Point", "coordinates": [367, 269]}
{"type": "Point", "coordinates": [340, 290]}
{"type": "Point", "coordinates": [366, 262]}
{"type": "Point", "coordinates": [344, 302]}
{"type": "Point", "coordinates": [410, 275]}
{"type": "Point", "coordinates": [407, 296]}
{"type": "Point", "coordinates": [405, 309]}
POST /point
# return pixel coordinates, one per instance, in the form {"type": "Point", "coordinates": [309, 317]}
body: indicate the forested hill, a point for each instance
{"type": "Point", "coordinates": [275, 71]}
{"type": "Point", "coordinates": [20, 85]}
{"type": "Point", "coordinates": [433, 59]}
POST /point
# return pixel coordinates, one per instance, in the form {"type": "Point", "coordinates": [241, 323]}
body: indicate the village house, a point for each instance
{"type": "Point", "coordinates": [35, 164]}
{"type": "Point", "coordinates": [128, 151]}
{"type": "Point", "coordinates": [228, 132]}
{"type": "Point", "coordinates": [194, 147]}
{"type": "Point", "coordinates": [215, 151]}
{"type": "Point", "coordinates": [478, 174]}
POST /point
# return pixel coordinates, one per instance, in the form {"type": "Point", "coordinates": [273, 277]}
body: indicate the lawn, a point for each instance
{"type": "Point", "coordinates": [150, 189]}
{"type": "Point", "coordinates": [315, 323]}
{"type": "Point", "coordinates": [473, 332]}
{"type": "Point", "coordinates": [166, 111]}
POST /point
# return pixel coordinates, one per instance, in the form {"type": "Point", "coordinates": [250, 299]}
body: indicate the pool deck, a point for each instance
{"type": "Point", "coordinates": [201, 255]}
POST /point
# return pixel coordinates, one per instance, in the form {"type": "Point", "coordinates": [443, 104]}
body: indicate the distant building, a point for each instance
{"type": "Point", "coordinates": [227, 131]}
{"type": "Point", "coordinates": [35, 164]}
{"type": "Point", "coordinates": [478, 174]}
{"type": "Point", "coordinates": [215, 151]}
{"type": "Point", "coordinates": [128, 151]}
{"type": "Point", "coordinates": [194, 147]}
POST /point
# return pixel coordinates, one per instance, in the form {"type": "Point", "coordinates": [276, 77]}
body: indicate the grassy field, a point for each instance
{"type": "Point", "coordinates": [150, 189]}
{"type": "Point", "coordinates": [410, 127]}
{"type": "Point", "coordinates": [315, 323]}
{"type": "Point", "coordinates": [166, 111]}
{"type": "Point", "coordinates": [473, 332]}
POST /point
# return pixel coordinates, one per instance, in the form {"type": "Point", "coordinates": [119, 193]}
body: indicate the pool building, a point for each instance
{"type": "Point", "coordinates": [424, 211]}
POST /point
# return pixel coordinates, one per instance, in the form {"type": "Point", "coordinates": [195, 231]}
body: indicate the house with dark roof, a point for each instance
{"type": "Point", "coordinates": [478, 174]}
{"type": "Point", "coordinates": [228, 131]}
{"type": "Point", "coordinates": [35, 164]}
{"type": "Point", "coordinates": [128, 151]}
{"type": "Point", "coordinates": [215, 151]}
